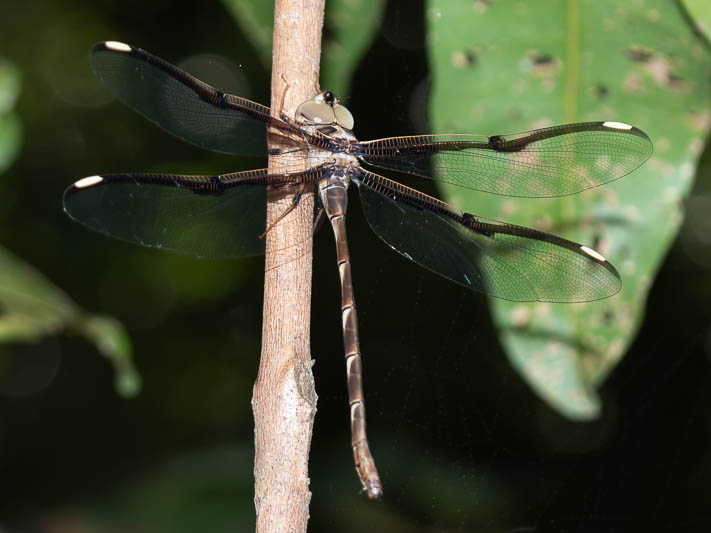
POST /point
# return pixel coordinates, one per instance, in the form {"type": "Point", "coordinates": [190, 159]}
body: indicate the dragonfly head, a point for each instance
{"type": "Point", "coordinates": [324, 109]}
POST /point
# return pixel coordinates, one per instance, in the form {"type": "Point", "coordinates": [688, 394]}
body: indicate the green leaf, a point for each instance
{"type": "Point", "coordinates": [9, 85]}
{"type": "Point", "coordinates": [256, 19]}
{"type": "Point", "coordinates": [700, 12]}
{"type": "Point", "coordinates": [113, 342]}
{"type": "Point", "coordinates": [10, 126]}
{"type": "Point", "coordinates": [350, 28]}
{"type": "Point", "coordinates": [509, 66]}
{"type": "Point", "coordinates": [32, 307]}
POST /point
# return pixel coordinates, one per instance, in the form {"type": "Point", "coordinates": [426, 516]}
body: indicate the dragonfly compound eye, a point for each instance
{"type": "Point", "coordinates": [315, 112]}
{"type": "Point", "coordinates": [344, 117]}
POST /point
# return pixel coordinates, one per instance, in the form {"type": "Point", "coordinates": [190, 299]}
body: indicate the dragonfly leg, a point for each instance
{"type": "Point", "coordinates": [294, 203]}
{"type": "Point", "coordinates": [317, 220]}
{"type": "Point", "coordinates": [282, 115]}
{"type": "Point", "coordinates": [282, 151]}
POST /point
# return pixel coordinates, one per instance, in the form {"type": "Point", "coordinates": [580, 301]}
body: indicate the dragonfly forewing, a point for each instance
{"type": "Point", "coordinates": [548, 162]}
{"type": "Point", "coordinates": [184, 106]}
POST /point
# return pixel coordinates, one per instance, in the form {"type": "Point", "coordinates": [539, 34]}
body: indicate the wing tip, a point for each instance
{"type": "Point", "coordinates": [89, 181]}
{"type": "Point", "coordinates": [82, 184]}
{"type": "Point", "coordinates": [115, 46]}
{"type": "Point", "coordinates": [593, 253]}
{"type": "Point", "coordinates": [617, 125]}
{"type": "Point", "coordinates": [624, 127]}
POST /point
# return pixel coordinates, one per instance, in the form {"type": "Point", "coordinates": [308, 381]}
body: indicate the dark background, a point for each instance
{"type": "Point", "coordinates": [462, 444]}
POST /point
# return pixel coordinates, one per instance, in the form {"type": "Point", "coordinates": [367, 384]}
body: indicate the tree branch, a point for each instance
{"type": "Point", "coordinates": [284, 398]}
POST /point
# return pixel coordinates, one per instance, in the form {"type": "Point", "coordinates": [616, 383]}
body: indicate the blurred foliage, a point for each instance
{"type": "Point", "coordinates": [347, 35]}
{"type": "Point", "coordinates": [209, 486]}
{"type": "Point", "coordinates": [10, 126]}
{"type": "Point", "coordinates": [700, 12]}
{"type": "Point", "coordinates": [586, 66]}
{"type": "Point", "coordinates": [214, 486]}
{"type": "Point", "coordinates": [32, 307]}
{"type": "Point", "coordinates": [256, 20]}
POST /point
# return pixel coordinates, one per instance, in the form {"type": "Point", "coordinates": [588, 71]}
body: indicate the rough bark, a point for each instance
{"type": "Point", "coordinates": [284, 399]}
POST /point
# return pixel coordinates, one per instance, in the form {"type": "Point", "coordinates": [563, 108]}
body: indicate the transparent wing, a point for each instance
{"type": "Point", "coordinates": [554, 161]}
{"type": "Point", "coordinates": [181, 104]}
{"type": "Point", "coordinates": [201, 216]}
{"type": "Point", "coordinates": [502, 260]}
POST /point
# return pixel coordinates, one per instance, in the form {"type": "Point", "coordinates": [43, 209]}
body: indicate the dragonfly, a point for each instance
{"type": "Point", "coordinates": [224, 216]}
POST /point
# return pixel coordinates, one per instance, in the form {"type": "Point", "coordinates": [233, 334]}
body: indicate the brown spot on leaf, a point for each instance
{"type": "Point", "coordinates": [701, 120]}
{"type": "Point", "coordinates": [677, 84]}
{"type": "Point", "coordinates": [480, 6]}
{"type": "Point", "coordinates": [600, 90]}
{"type": "Point", "coordinates": [543, 64]}
{"type": "Point", "coordinates": [608, 317]}
{"type": "Point", "coordinates": [657, 66]}
{"type": "Point", "coordinates": [652, 15]}
{"type": "Point", "coordinates": [514, 114]}
{"type": "Point", "coordinates": [465, 58]}
{"type": "Point", "coordinates": [639, 53]}
{"type": "Point", "coordinates": [542, 59]}
{"type": "Point", "coordinates": [632, 83]}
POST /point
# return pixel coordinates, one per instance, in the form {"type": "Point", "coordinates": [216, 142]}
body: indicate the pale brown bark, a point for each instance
{"type": "Point", "coordinates": [284, 399]}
